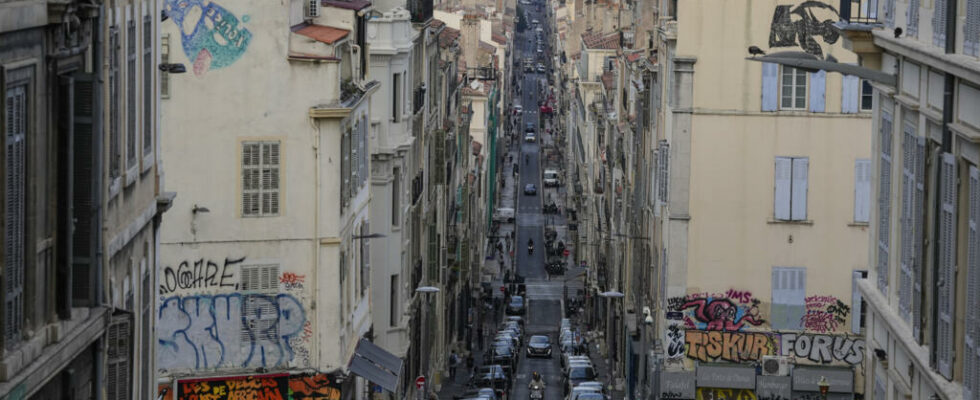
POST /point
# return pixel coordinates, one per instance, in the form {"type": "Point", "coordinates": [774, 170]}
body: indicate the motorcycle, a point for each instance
{"type": "Point", "coordinates": [537, 392]}
{"type": "Point", "coordinates": [530, 249]}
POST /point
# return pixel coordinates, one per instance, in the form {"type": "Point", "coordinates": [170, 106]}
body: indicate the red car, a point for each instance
{"type": "Point", "coordinates": [546, 109]}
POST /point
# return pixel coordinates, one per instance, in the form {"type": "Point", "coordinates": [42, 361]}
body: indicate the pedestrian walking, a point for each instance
{"type": "Point", "coordinates": [453, 363]}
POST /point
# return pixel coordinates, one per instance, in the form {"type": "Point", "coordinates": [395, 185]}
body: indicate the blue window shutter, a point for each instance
{"type": "Point", "coordinates": [884, 201]}
{"type": "Point", "coordinates": [770, 86]}
{"type": "Point", "coordinates": [971, 30]}
{"type": "Point", "coordinates": [850, 94]}
{"type": "Point", "coordinates": [946, 279]}
{"type": "Point", "coordinates": [799, 191]}
{"type": "Point", "coordinates": [939, 23]}
{"type": "Point", "coordinates": [783, 188]}
{"type": "Point", "coordinates": [788, 295]}
{"type": "Point", "coordinates": [818, 88]}
{"type": "Point", "coordinates": [918, 227]}
{"type": "Point", "coordinates": [971, 369]}
{"type": "Point", "coordinates": [906, 234]}
{"type": "Point", "coordinates": [862, 190]}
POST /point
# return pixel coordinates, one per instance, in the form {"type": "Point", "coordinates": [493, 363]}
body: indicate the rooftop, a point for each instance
{"type": "Point", "coordinates": [347, 5]}
{"type": "Point", "coordinates": [320, 33]}
{"type": "Point", "coordinates": [448, 36]}
{"type": "Point", "coordinates": [601, 41]}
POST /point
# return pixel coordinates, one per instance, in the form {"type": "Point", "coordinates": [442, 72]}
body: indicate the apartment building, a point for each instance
{"type": "Point", "coordinates": [266, 263]}
{"type": "Point", "coordinates": [924, 270]}
{"type": "Point", "coordinates": [761, 198]}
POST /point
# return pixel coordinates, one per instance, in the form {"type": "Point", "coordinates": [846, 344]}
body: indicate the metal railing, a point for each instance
{"type": "Point", "coordinates": [859, 11]}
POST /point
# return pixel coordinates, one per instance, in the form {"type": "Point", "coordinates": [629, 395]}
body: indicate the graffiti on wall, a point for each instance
{"type": "Point", "coordinates": [200, 274]}
{"type": "Point", "coordinates": [799, 26]}
{"type": "Point", "coordinates": [271, 387]}
{"type": "Point", "coordinates": [822, 349]}
{"type": "Point", "coordinates": [728, 346]}
{"type": "Point", "coordinates": [313, 387]}
{"type": "Point", "coordinates": [724, 394]}
{"type": "Point", "coordinates": [211, 36]}
{"type": "Point", "coordinates": [730, 311]}
{"type": "Point", "coordinates": [292, 281]}
{"type": "Point", "coordinates": [824, 314]}
{"type": "Point", "coordinates": [675, 341]}
{"type": "Point", "coordinates": [229, 330]}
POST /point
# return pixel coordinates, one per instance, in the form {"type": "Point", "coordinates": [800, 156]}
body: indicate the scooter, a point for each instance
{"type": "Point", "coordinates": [530, 249]}
{"type": "Point", "coordinates": [537, 392]}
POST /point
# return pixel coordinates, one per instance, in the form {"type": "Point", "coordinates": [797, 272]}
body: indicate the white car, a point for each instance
{"type": "Point", "coordinates": [529, 137]}
{"type": "Point", "coordinates": [518, 109]}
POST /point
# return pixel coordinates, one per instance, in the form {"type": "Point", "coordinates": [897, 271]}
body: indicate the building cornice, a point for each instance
{"type": "Point", "coordinates": [965, 67]}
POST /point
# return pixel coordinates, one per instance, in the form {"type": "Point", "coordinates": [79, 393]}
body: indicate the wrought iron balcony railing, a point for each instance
{"type": "Point", "coordinates": [859, 11]}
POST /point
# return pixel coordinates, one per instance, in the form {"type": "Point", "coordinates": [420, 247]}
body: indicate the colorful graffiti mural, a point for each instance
{"type": "Point", "coordinates": [728, 346]}
{"type": "Point", "coordinates": [259, 387]}
{"type": "Point", "coordinates": [822, 349]}
{"type": "Point", "coordinates": [730, 311]}
{"type": "Point", "coordinates": [724, 394]}
{"type": "Point", "coordinates": [313, 387]}
{"type": "Point", "coordinates": [675, 341]}
{"type": "Point", "coordinates": [229, 330]}
{"type": "Point", "coordinates": [211, 36]}
{"type": "Point", "coordinates": [824, 314]}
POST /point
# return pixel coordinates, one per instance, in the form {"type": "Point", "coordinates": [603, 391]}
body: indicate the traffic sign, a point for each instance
{"type": "Point", "coordinates": [420, 382]}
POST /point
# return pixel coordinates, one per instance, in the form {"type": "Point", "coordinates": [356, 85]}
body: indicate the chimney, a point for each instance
{"type": "Point", "coordinates": [469, 32]}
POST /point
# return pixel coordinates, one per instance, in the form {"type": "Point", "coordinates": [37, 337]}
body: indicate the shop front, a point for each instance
{"type": "Point", "coordinates": [725, 382]}
{"type": "Point", "coordinates": [267, 386]}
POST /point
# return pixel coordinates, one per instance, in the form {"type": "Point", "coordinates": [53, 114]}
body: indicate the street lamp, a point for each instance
{"type": "Point", "coordinates": [424, 361]}
{"type": "Point", "coordinates": [824, 387]}
{"type": "Point", "coordinates": [611, 337]}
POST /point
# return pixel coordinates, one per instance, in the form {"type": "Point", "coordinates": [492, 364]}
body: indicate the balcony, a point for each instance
{"type": "Point", "coordinates": [421, 11]}
{"type": "Point", "coordinates": [859, 11]}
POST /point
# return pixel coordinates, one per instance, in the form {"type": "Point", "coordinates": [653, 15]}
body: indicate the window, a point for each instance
{"type": "Point", "coordinates": [396, 196]}
{"type": "Point", "coordinates": [15, 189]}
{"type": "Point", "coordinates": [946, 273]}
{"type": "Point", "coordinates": [791, 188]}
{"type": "Point", "coordinates": [395, 314]}
{"type": "Point", "coordinates": [147, 337]}
{"type": "Point", "coordinates": [793, 89]}
{"type": "Point", "coordinates": [866, 95]}
{"type": "Point", "coordinates": [859, 312]}
{"type": "Point", "coordinates": [345, 168]}
{"type": "Point", "coordinates": [260, 179]}
{"type": "Point", "coordinates": [364, 257]}
{"type": "Point", "coordinates": [788, 294]}
{"type": "Point", "coordinates": [971, 33]}
{"type": "Point", "coordinates": [912, 14]}
{"type": "Point", "coordinates": [663, 171]}
{"type": "Point", "coordinates": [939, 23]}
{"type": "Point", "coordinates": [911, 232]}
{"type": "Point", "coordinates": [260, 314]}
{"type": "Point", "coordinates": [971, 371]}
{"type": "Point", "coordinates": [118, 350]}
{"type": "Point", "coordinates": [115, 152]}
{"type": "Point", "coordinates": [148, 89]}
{"type": "Point", "coordinates": [862, 190]}
{"type": "Point", "coordinates": [131, 136]}
{"type": "Point", "coordinates": [889, 12]}
{"type": "Point", "coordinates": [164, 59]}
{"type": "Point", "coordinates": [362, 152]}
{"type": "Point", "coordinates": [342, 269]}
{"type": "Point", "coordinates": [884, 199]}
{"type": "Point", "coordinates": [396, 94]}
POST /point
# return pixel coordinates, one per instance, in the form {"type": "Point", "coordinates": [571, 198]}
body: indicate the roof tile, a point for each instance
{"type": "Point", "coordinates": [320, 33]}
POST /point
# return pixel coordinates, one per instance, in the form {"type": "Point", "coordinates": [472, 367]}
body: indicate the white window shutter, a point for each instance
{"type": "Point", "coordinates": [939, 23]}
{"type": "Point", "coordinates": [890, 13]}
{"type": "Point", "coordinates": [770, 86]}
{"type": "Point", "coordinates": [818, 89]}
{"type": "Point", "coordinates": [918, 215]}
{"type": "Point", "coordinates": [856, 276]}
{"type": "Point", "coordinates": [971, 30]}
{"type": "Point", "coordinates": [907, 234]}
{"type": "Point", "coordinates": [884, 200]}
{"type": "Point", "coordinates": [912, 19]}
{"type": "Point", "coordinates": [862, 190]}
{"type": "Point", "coordinates": [799, 189]}
{"type": "Point", "coordinates": [850, 94]}
{"type": "Point", "coordinates": [971, 367]}
{"type": "Point", "coordinates": [945, 281]}
{"type": "Point", "coordinates": [783, 183]}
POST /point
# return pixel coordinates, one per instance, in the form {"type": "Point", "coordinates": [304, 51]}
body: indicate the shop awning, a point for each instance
{"type": "Point", "coordinates": [376, 365]}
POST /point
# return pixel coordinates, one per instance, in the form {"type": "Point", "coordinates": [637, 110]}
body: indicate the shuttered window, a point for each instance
{"type": "Point", "coordinates": [818, 88]}
{"type": "Point", "coordinates": [792, 89]}
{"type": "Point", "coordinates": [884, 200]}
{"type": "Point", "coordinates": [149, 91]}
{"type": "Point", "coordinates": [260, 179]}
{"type": "Point", "coordinates": [939, 23]}
{"type": "Point", "coordinates": [971, 30]}
{"type": "Point", "coordinates": [850, 94]}
{"type": "Point", "coordinates": [663, 171]}
{"type": "Point", "coordinates": [345, 168]}
{"type": "Point", "coordinates": [85, 224]}
{"type": "Point", "coordinates": [396, 195]}
{"type": "Point", "coordinates": [131, 136]}
{"type": "Point", "coordinates": [971, 366]}
{"type": "Point", "coordinates": [15, 161]}
{"type": "Point", "coordinates": [394, 311]}
{"type": "Point", "coordinates": [118, 355]}
{"type": "Point", "coordinates": [364, 244]}
{"type": "Point", "coordinates": [918, 216]}
{"type": "Point", "coordinates": [362, 152]}
{"type": "Point", "coordinates": [912, 18]}
{"type": "Point", "coordinates": [115, 151]}
{"type": "Point", "coordinates": [946, 279]}
{"type": "Point", "coordinates": [862, 190]}
{"type": "Point", "coordinates": [907, 234]}
{"type": "Point", "coordinates": [259, 285]}
{"type": "Point", "coordinates": [770, 86]}
{"type": "Point", "coordinates": [889, 12]}
{"type": "Point", "coordinates": [791, 175]}
{"type": "Point", "coordinates": [788, 295]}
{"type": "Point", "coordinates": [164, 59]}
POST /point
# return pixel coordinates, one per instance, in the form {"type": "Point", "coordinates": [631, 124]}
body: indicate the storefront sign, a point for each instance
{"type": "Point", "coordinates": [732, 377]}
{"type": "Point", "coordinates": [271, 387]}
{"type": "Point", "coordinates": [805, 379]}
{"type": "Point", "coordinates": [773, 387]}
{"type": "Point", "coordinates": [676, 385]}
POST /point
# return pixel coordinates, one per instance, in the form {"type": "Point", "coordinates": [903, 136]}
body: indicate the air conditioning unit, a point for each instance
{"type": "Point", "coordinates": [775, 366]}
{"type": "Point", "coordinates": [312, 8]}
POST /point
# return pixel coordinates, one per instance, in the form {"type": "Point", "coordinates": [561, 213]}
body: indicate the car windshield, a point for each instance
{"type": "Point", "coordinates": [540, 340]}
{"type": "Point", "coordinates": [580, 373]}
{"type": "Point", "coordinates": [590, 396]}
{"type": "Point", "coordinates": [503, 350]}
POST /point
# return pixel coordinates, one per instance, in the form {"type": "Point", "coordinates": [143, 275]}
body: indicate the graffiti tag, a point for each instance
{"type": "Point", "coordinates": [675, 342]}
{"type": "Point", "coordinates": [313, 387]}
{"type": "Point", "coordinates": [822, 348]}
{"type": "Point", "coordinates": [724, 394]}
{"type": "Point", "coordinates": [229, 330]}
{"type": "Point", "coordinates": [728, 346]}
{"type": "Point", "coordinates": [824, 314]}
{"type": "Point", "coordinates": [246, 387]}
{"type": "Point", "coordinates": [199, 274]}
{"type": "Point", "coordinates": [722, 314]}
{"type": "Point", "coordinates": [291, 280]}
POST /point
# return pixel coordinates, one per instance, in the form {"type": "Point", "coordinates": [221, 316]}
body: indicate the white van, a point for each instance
{"type": "Point", "coordinates": [550, 177]}
{"type": "Point", "coordinates": [504, 214]}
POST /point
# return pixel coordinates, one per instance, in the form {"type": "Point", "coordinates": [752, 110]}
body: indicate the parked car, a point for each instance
{"type": "Point", "coordinates": [565, 358]}
{"type": "Point", "coordinates": [503, 354]}
{"type": "Point", "coordinates": [530, 189]}
{"type": "Point", "coordinates": [576, 374]}
{"type": "Point", "coordinates": [573, 395]}
{"type": "Point", "coordinates": [504, 214]}
{"type": "Point", "coordinates": [518, 109]}
{"type": "Point", "coordinates": [486, 392]}
{"type": "Point", "coordinates": [491, 376]}
{"type": "Point", "coordinates": [539, 346]}
{"type": "Point", "coordinates": [530, 137]}
{"type": "Point", "coordinates": [516, 304]}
